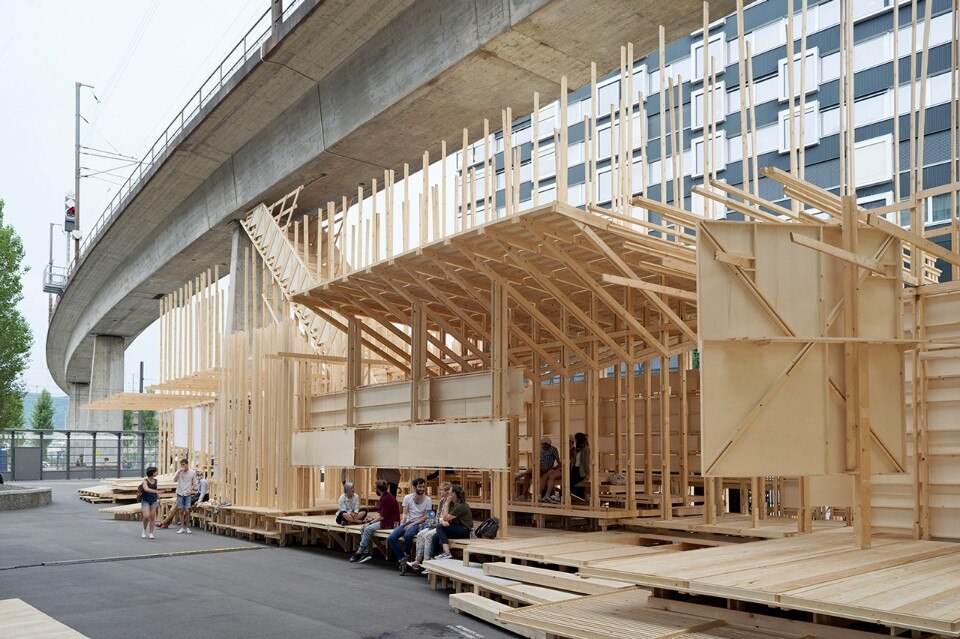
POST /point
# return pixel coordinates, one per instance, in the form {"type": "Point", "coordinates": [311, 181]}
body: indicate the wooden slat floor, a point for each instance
{"type": "Point", "coordinates": [739, 525]}
{"type": "Point", "coordinates": [902, 583]}
{"type": "Point", "coordinates": [21, 620]}
{"type": "Point", "coordinates": [622, 615]}
{"type": "Point", "coordinates": [574, 550]}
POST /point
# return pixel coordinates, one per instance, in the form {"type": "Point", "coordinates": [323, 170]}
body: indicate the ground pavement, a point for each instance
{"type": "Point", "coordinates": [99, 577]}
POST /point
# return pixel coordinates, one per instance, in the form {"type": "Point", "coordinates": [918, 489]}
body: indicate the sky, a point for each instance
{"type": "Point", "coordinates": [145, 58]}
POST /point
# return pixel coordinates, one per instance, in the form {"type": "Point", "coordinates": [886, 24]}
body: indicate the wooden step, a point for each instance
{"type": "Point", "coordinates": [552, 578]}
{"type": "Point", "coordinates": [488, 610]}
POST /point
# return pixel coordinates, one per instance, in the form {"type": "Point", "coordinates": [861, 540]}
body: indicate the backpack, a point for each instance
{"type": "Point", "coordinates": [140, 492]}
{"type": "Point", "coordinates": [489, 528]}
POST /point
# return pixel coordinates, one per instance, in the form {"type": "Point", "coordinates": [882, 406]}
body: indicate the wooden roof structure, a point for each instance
{"type": "Point", "coordinates": [147, 401]}
{"type": "Point", "coordinates": [574, 277]}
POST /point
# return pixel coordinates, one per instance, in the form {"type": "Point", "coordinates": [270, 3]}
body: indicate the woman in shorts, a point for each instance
{"type": "Point", "coordinates": [149, 500]}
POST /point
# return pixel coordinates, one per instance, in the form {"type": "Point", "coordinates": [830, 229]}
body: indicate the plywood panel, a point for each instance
{"type": "Point", "coordinates": [334, 447]}
{"type": "Point", "coordinates": [378, 447]}
{"type": "Point", "coordinates": [478, 444]}
{"type": "Point", "coordinates": [773, 407]}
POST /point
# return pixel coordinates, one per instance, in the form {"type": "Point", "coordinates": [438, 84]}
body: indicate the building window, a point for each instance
{"type": "Point", "coordinates": [719, 154]}
{"type": "Point", "coordinates": [608, 94]}
{"type": "Point", "coordinates": [811, 126]}
{"type": "Point", "coordinates": [873, 160]}
{"type": "Point", "coordinates": [697, 109]}
{"type": "Point", "coordinates": [938, 209]}
{"type": "Point", "coordinates": [718, 51]}
{"type": "Point", "coordinates": [812, 70]}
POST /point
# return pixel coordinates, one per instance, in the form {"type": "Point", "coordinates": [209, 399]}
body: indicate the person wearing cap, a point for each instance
{"type": "Point", "coordinates": [549, 469]}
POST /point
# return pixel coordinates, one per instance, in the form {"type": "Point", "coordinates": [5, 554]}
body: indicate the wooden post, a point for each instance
{"type": "Point", "coordinates": [499, 361]}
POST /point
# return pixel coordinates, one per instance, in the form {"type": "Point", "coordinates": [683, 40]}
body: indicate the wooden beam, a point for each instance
{"type": "Point", "coordinates": [839, 253]}
{"type": "Point", "coordinates": [649, 286]}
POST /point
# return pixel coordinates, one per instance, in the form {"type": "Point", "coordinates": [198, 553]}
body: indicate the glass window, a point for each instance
{"type": "Point", "coordinates": [575, 154]}
{"type": "Point", "coordinates": [938, 209]}
{"type": "Point", "coordinates": [811, 69]}
{"type": "Point", "coordinates": [522, 136]}
{"type": "Point", "coordinates": [606, 95]}
{"type": "Point", "coordinates": [547, 164]}
{"type": "Point", "coordinates": [576, 195]}
{"type": "Point", "coordinates": [603, 185]}
{"type": "Point", "coordinates": [718, 50]}
{"type": "Point", "coordinates": [697, 109]}
{"type": "Point", "coordinates": [811, 122]}
{"type": "Point", "coordinates": [873, 160]}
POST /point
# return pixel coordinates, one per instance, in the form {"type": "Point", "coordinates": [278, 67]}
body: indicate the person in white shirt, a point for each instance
{"type": "Point", "coordinates": [416, 505]}
{"type": "Point", "coordinates": [186, 479]}
{"type": "Point", "coordinates": [348, 508]}
{"type": "Point", "coordinates": [203, 490]}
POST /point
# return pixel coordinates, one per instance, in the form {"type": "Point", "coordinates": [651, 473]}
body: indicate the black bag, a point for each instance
{"type": "Point", "coordinates": [489, 528]}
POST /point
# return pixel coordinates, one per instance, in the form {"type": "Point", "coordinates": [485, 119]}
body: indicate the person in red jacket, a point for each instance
{"type": "Point", "coordinates": [387, 517]}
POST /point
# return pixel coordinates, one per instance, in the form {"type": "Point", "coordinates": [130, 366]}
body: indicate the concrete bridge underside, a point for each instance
{"type": "Point", "coordinates": [346, 89]}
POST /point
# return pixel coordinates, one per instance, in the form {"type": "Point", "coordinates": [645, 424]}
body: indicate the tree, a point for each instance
{"type": "Point", "coordinates": [149, 420]}
{"type": "Point", "coordinates": [15, 337]}
{"type": "Point", "coordinates": [42, 417]}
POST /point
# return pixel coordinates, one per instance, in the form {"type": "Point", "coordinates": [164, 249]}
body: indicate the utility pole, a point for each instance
{"type": "Point", "coordinates": [76, 173]}
{"type": "Point", "coordinates": [76, 177]}
{"type": "Point", "coordinates": [140, 412]}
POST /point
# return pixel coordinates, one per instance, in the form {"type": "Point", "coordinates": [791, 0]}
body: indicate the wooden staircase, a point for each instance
{"type": "Point", "coordinates": [272, 241]}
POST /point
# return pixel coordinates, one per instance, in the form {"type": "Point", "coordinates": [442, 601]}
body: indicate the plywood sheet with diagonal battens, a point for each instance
{"type": "Point", "coordinates": [772, 381]}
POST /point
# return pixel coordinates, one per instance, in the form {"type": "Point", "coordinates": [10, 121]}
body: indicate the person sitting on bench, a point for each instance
{"type": "Point", "coordinates": [388, 515]}
{"type": "Point", "coordinates": [348, 508]}
{"type": "Point", "coordinates": [455, 523]}
{"type": "Point", "coordinates": [549, 469]}
{"type": "Point", "coordinates": [415, 508]}
{"type": "Point", "coordinates": [427, 531]}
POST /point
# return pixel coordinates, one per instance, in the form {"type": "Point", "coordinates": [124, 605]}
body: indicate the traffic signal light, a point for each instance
{"type": "Point", "coordinates": [70, 216]}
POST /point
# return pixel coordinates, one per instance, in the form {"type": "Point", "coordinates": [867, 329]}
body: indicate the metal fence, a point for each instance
{"type": "Point", "coordinates": [30, 455]}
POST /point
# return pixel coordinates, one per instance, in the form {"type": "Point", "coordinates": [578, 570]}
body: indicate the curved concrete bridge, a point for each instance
{"type": "Point", "coordinates": [342, 90]}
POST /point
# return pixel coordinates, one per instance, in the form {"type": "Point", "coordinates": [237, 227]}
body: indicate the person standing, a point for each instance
{"type": "Point", "coordinates": [415, 508]}
{"type": "Point", "coordinates": [388, 515]}
{"type": "Point", "coordinates": [186, 479]}
{"type": "Point", "coordinates": [456, 523]}
{"type": "Point", "coordinates": [579, 465]}
{"type": "Point", "coordinates": [149, 499]}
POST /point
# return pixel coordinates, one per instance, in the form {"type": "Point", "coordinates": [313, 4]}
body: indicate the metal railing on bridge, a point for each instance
{"type": "Point", "coordinates": [248, 46]}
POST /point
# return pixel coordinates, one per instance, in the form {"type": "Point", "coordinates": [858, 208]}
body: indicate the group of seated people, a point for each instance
{"type": "Point", "coordinates": [424, 530]}
{"type": "Point", "coordinates": [550, 468]}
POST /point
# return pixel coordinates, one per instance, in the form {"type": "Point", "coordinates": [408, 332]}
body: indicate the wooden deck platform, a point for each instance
{"type": "Point", "coordinates": [622, 615]}
{"type": "Point", "coordinates": [20, 619]}
{"type": "Point", "coordinates": [738, 525]}
{"type": "Point", "coordinates": [573, 549]}
{"type": "Point", "coordinates": [900, 583]}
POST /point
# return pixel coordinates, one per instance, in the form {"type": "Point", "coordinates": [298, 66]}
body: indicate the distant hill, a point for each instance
{"type": "Point", "coordinates": [60, 403]}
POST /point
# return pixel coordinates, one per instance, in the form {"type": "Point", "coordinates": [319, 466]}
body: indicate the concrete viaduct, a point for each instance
{"type": "Point", "coordinates": [342, 89]}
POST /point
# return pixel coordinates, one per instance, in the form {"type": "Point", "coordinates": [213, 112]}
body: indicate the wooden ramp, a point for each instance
{"type": "Point", "coordinates": [901, 583]}
{"type": "Point", "coordinates": [21, 620]}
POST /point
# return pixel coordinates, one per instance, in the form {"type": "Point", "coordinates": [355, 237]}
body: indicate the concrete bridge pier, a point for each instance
{"type": "Point", "coordinates": [78, 394]}
{"type": "Point", "coordinates": [245, 306]}
{"type": "Point", "coordinates": [106, 378]}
